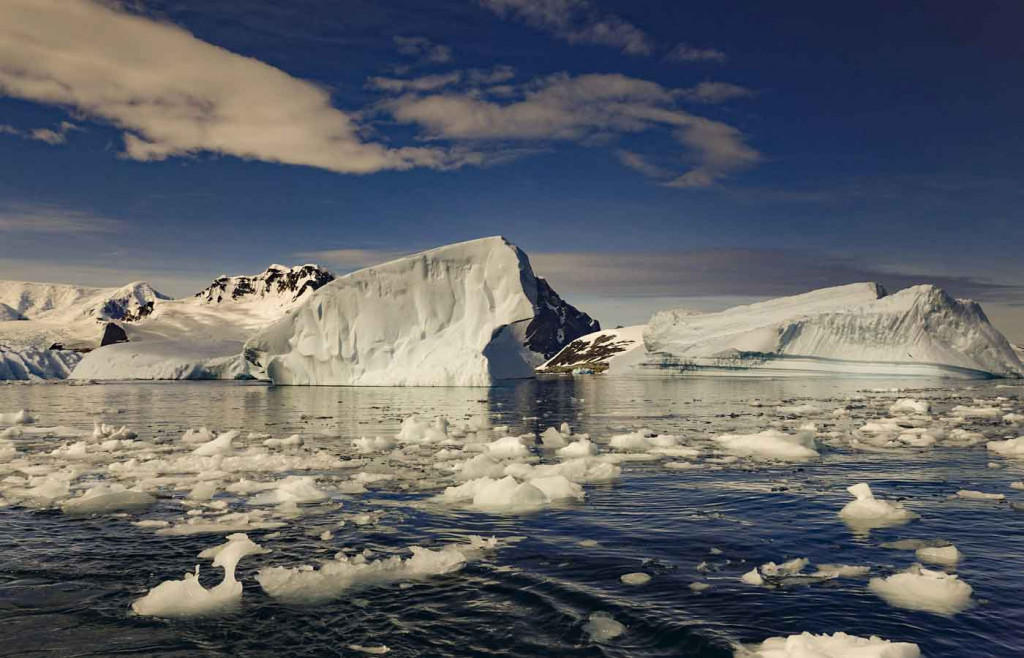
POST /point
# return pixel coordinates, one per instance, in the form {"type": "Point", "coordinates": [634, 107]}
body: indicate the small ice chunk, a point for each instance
{"type": "Point", "coordinates": [909, 406]}
{"type": "Point", "coordinates": [219, 446]}
{"type": "Point", "coordinates": [790, 568]}
{"type": "Point", "coordinates": [1008, 448]}
{"type": "Point", "coordinates": [552, 439]}
{"type": "Point", "coordinates": [373, 651]}
{"type": "Point", "coordinates": [1014, 419]}
{"type": "Point", "coordinates": [837, 645]}
{"type": "Point", "coordinates": [293, 489]}
{"type": "Point", "coordinates": [918, 588]}
{"type": "Point", "coordinates": [293, 441]}
{"type": "Point", "coordinates": [944, 555]}
{"type": "Point", "coordinates": [867, 512]}
{"type": "Point", "coordinates": [635, 578]}
{"type": "Point", "coordinates": [752, 577]}
{"type": "Point", "coordinates": [770, 445]}
{"type": "Point", "coordinates": [969, 494]}
{"type": "Point", "coordinates": [107, 498]}
{"type": "Point", "coordinates": [602, 627]}
{"type": "Point", "coordinates": [203, 491]}
{"type": "Point", "coordinates": [798, 410]}
{"type": "Point", "coordinates": [830, 571]}
{"type": "Point", "coordinates": [1017, 485]}
{"type": "Point", "coordinates": [581, 448]}
{"type": "Point", "coordinates": [188, 598]}
{"type": "Point", "coordinates": [201, 435]}
{"type": "Point", "coordinates": [366, 446]}
{"type": "Point", "coordinates": [509, 447]}
{"type": "Point", "coordinates": [699, 586]}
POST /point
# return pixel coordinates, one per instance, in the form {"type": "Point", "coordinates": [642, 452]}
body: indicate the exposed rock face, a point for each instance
{"type": "Point", "coordinates": [278, 282]}
{"type": "Point", "coordinates": [466, 314]}
{"type": "Point", "coordinates": [556, 323]}
{"type": "Point", "coordinates": [10, 314]}
{"type": "Point", "coordinates": [113, 334]}
{"type": "Point", "coordinates": [596, 351]}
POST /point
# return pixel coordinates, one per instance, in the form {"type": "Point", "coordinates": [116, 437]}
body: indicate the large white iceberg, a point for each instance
{"type": "Point", "coordinates": [466, 314]}
{"type": "Point", "coordinates": [854, 329]}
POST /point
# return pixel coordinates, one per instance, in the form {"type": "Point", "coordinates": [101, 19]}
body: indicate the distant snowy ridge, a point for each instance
{"type": "Point", "coordinates": [57, 302]}
{"type": "Point", "coordinates": [201, 337]}
{"type": "Point", "coordinates": [466, 314]}
{"type": "Point", "coordinates": [31, 363]}
{"type": "Point", "coordinates": [857, 328]}
{"type": "Point", "coordinates": [277, 282]}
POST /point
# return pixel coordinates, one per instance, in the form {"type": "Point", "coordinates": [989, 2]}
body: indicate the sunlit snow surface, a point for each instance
{"type": "Point", "coordinates": [667, 498]}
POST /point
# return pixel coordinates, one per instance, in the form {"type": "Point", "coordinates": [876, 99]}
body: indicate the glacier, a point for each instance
{"type": "Point", "coordinates": [466, 314]}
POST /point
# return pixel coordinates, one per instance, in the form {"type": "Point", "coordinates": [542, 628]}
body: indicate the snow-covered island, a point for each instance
{"type": "Point", "coordinates": [852, 329]}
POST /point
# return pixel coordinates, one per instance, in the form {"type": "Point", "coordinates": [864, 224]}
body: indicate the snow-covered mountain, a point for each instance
{"type": "Point", "coordinates": [466, 314]}
{"type": "Point", "coordinates": [201, 337]}
{"type": "Point", "coordinates": [277, 285]}
{"type": "Point", "coordinates": [857, 328]}
{"type": "Point", "coordinates": [63, 303]}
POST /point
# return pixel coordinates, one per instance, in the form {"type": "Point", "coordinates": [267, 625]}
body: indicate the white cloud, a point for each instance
{"type": "Point", "coordinates": [423, 49]}
{"type": "Point", "coordinates": [687, 54]}
{"type": "Point", "coordinates": [424, 83]}
{"type": "Point", "coordinates": [715, 92]}
{"type": "Point", "coordinates": [47, 135]}
{"type": "Point", "coordinates": [581, 109]}
{"type": "Point", "coordinates": [175, 95]}
{"type": "Point", "coordinates": [22, 218]}
{"type": "Point", "coordinates": [575, 21]}
{"type": "Point", "coordinates": [640, 163]}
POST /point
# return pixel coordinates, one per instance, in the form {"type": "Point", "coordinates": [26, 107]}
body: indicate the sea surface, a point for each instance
{"type": "Point", "coordinates": [67, 583]}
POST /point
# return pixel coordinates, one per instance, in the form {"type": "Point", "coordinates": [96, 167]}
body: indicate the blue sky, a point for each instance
{"type": "Point", "coordinates": [644, 154]}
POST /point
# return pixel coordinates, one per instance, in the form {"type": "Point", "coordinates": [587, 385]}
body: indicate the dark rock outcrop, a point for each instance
{"type": "Point", "coordinates": [113, 334]}
{"type": "Point", "coordinates": [557, 323]}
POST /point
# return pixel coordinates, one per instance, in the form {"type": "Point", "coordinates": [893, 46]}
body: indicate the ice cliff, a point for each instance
{"type": "Point", "coordinates": [466, 314]}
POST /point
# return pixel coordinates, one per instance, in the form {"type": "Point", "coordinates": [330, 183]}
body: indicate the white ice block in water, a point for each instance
{"type": "Point", "coordinates": [837, 645]}
{"type": "Point", "coordinates": [459, 315]}
{"type": "Point", "coordinates": [188, 598]}
{"type": "Point", "coordinates": [855, 329]}
{"type": "Point", "coordinates": [867, 512]}
{"type": "Point", "coordinates": [918, 588]}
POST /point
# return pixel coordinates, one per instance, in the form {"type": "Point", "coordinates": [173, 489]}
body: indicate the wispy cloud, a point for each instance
{"type": "Point", "coordinates": [637, 162]}
{"type": "Point", "coordinates": [576, 21]}
{"type": "Point", "coordinates": [47, 135]}
{"type": "Point", "coordinates": [175, 95]}
{"type": "Point", "coordinates": [561, 107]}
{"type": "Point", "coordinates": [51, 219]}
{"type": "Point", "coordinates": [423, 83]}
{"type": "Point", "coordinates": [688, 54]}
{"type": "Point", "coordinates": [423, 49]}
{"type": "Point", "coordinates": [715, 92]}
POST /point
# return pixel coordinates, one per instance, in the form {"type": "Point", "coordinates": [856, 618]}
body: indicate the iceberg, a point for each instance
{"type": "Point", "coordinates": [851, 329]}
{"type": "Point", "coordinates": [467, 314]}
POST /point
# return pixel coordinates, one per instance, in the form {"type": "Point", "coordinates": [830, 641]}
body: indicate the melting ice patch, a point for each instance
{"type": "Point", "coordinates": [918, 588]}
{"type": "Point", "coordinates": [867, 512]}
{"type": "Point", "coordinates": [770, 445]}
{"type": "Point", "coordinates": [188, 598]}
{"type": "Point", "coordinates": [837, 645]}
{"type": "Point", "coordinates": [306, 584]}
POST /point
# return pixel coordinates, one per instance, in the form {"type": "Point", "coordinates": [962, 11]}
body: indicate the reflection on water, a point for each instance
{"type": "Point", "coordinates": [66, 584]}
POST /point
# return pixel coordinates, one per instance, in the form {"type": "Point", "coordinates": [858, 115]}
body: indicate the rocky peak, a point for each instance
{"type": "Point", "coordinates": [556, 323]}
{"type": "Point", "coordinates": [277, 282]}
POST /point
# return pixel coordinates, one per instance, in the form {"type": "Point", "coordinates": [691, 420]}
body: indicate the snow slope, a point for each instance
{"type": "Point", "coordinates": [201, 337]}
{"type": "Point", "coordinates": [31, 363]}
{"type": "Point", "coordinates": [598, 350]}
{"type": "Point", "coordinates": [459, 315]}
{"type": "Point", "coordinates": [856, 328]}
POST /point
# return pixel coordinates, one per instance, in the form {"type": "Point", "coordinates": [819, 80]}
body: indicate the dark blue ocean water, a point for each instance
{"type": "Point", "coordinates": [66, 584]}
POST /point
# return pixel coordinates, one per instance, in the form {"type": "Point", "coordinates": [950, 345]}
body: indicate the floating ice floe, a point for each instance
{"type": "Point", "coordinates": [552, 439]}
{"type": "Point", "coordinates": [367, 446]}
{"type": "Point", "coordinates": [343, 574]}
{"type": "Point", "coordinates": [969, 494]}
{"type": "Point", "coordinates": [602, 627]}
{"type": "Point", "coordinates": [293, 489]}
{"type": "Point", "coordinates": [581, 448]}
{"type": "Point", "coordinates": [219, 446]}
{"type": "Point", "coordinates": [867, 512]}
{"type": "Point", "coordinates": [910, 406]}
{"type": "Point", "coordinates": [188, 598]}
{"type": "Point", "coordinates": [837, 645]}
{"type": "Point", "coordinates": [977, 412]}
{"type": "Point", "coordinates": [1013, 419]}
{"type": "Point", "coordinates": [770, 445]}
{"type": "Point", "coordinates": [107, 497]}
{"type": "Point", "coordinates": [923, 589]}
{"type": "Point", "coordinates": [635, 578]}
{"type": "Point", "coordinates": [510, 495]}
{"type": "Point", "coordinates": [1008, 448]}
{"type": "Point", "coordinates": [944, 555]}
